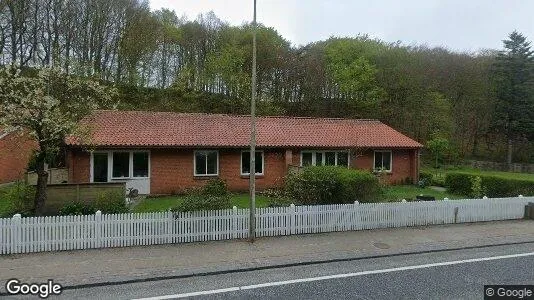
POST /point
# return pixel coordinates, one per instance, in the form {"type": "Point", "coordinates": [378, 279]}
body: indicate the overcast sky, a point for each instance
{"type": "Point", "coordinates": [462, 25]}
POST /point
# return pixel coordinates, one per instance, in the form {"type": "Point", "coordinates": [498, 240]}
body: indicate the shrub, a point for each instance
{"type": "Point", "coordinates": [212, 196]}
{"type": "Point", "coordinates": [111, 202]}
{"type": "Point", "coordinates": [328, 185]}
{"type": "Point", "coordinates": [77, 209]}
{"type": "Point", "coordinates": [20, 198]}
{"type": "Point", "coordinates": [491, 186]}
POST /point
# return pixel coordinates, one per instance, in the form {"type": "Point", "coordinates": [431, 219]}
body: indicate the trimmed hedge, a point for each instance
{"type": "Point", "coordinates": [212, 196]}
{"type": "Point", "coordinates": [491, 186]}
{"type": "Point", "coordinates": [332, 185]}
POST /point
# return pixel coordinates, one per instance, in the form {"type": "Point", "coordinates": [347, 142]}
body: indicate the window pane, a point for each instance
{"type": "Point", "coordinates": [318, 158]}
{"type": "Point", "coordinates": [378, 160]}
{"type": "Point", "coordinates": [343, 159]}
{"type": "Point", "coordinates": [212, 163]}
{"type": "Point", "coordinates": [306, 159]}
{"type": "Point", "coordinates": [121, 164]}
{"type": "Point", "coordinates": [245, 162]}
{"type": "Point", "coordinates": [259, 163]}
{"type": "Point", "coordinates": [330, 158]}
{"type": "Point", "coordinates": [386, 160]}
{"type": "Point", "coordinates": [200, 163]}
{"type": "Point", "coordinates": [100, 167]}
{"type": "Point", "coordinates": [140, 164]}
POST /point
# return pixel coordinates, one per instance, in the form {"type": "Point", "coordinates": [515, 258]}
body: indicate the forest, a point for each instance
{"type": "Point", "coordinates": [479, 104]}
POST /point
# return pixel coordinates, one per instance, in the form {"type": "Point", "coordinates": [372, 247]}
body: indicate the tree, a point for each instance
{"type": "Point", "coordinates": [48, 107]}
{"type": "Point", "coordinates": [438, 146]}
{"type": "Point", "coordinates": [514, 78]}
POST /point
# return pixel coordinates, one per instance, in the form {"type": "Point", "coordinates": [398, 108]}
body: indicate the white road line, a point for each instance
{"type": "Point", "coordinates": [310, 279]}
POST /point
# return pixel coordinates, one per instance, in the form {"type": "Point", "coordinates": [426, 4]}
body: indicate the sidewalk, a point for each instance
{"type": "Point", "coordinates": [119, 264]}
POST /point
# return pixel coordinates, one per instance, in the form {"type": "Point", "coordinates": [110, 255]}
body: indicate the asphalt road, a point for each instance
{"type": "Point", "coordinates": [440, 275]}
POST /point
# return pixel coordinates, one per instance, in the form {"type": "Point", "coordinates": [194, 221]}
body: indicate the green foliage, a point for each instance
{"type": "Point", "coordinates": [425, 179]}
{"type": "Point", "coordinates": [490, 186]}
{"type": "Point", "coordinates": [77, 209]}
{"type": "Point", "coordinates": [213, 195]}
{"type": "Point", "coordinates": [438, 146]}
{"type": "Point", "coordinates": [329, 185]}
{"type": "Point", "coordinates": [111, 203]}
{"type": "Point", "coordinates": [19, 197]}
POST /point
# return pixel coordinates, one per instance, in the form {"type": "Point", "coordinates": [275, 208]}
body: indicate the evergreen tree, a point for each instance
{"type": "Point", "coordinates": [514, 76]}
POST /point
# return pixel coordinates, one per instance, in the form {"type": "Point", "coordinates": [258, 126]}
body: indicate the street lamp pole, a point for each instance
{"type": "Point", "coordinates": [252, 175]}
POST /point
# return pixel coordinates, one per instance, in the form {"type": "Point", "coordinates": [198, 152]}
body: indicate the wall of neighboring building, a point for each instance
{"type": "Point", "coordinates": [15, 153]}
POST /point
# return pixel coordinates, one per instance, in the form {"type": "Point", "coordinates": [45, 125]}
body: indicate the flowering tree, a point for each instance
{"type": "Point", "coordinates": [48, 107]}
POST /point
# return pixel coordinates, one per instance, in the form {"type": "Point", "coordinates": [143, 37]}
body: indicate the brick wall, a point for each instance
{"type": "Point", "coordinates": [15, 153]}
{"type": "Point", "coordinates": [171, 170]}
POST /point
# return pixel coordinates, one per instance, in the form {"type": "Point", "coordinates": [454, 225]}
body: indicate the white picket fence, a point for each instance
{"type": "Point", "coordinates": [36, 234]}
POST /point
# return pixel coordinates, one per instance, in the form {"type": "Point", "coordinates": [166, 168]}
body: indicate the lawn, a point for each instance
{"type": "Point", "coordinates": [409, 192]}
{"type": "Point", "coordinates": [467, 170]}
{"type": "Point", "coordinates": [155, 204]}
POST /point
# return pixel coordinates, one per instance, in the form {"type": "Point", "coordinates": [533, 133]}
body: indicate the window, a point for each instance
{"type": "Point", "coordinates": [100, 167]}
{"type": "Point", "coordinates": [324, 158]}
{"type": "Point", "coordinates": [206, 163]}
{"type": "Point", "coordinates": [140, 164]}
{"type": "Point", "coordinates": [121, 164]}
{"type": "Point", "coordinates": [382, 161]}
{"type": "Point", "coordinates": [245, 163]}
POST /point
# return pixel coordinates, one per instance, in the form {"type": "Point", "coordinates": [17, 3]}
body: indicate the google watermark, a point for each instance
{"type": "Point", "coordinates": [508, 292]}
{"type": "Point", "coordinates": [42, 290]}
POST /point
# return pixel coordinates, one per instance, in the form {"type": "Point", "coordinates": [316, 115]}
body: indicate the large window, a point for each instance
{"type": "Point", "coordinates": [324, 158]}
{"type": "Point", "coordinates": [382, 161]}
{"type": "Point", "coordinates": [120, 165]}
{"type": "Point", "coordinates": [206, 163]}
{"type": "Point", "coordinates": [245, 163]}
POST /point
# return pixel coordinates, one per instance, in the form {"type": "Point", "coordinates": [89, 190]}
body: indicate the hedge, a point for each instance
{"type": "Point", "coordinates": [332, 185]}
{"type": "Point", "coordinates": [486, 185]}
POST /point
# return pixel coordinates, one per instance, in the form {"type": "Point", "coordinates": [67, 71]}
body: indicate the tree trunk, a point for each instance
{"type": "Point", "coordinates": [509, 154]}
{"type": "Point", "coordinates": [40, 191]}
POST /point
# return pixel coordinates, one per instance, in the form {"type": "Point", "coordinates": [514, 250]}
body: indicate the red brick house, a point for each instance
{"type": "Point", "coordinates": [16, 149]}
{"type": "Point", "coordinates": [165, 153]}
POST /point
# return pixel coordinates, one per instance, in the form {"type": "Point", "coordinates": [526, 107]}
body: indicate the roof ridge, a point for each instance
{"type": "Point", "coordinates": [239, 115]}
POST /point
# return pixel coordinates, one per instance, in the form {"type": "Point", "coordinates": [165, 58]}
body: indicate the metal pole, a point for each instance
{"type": "Point", "coordinates": [252, 176]}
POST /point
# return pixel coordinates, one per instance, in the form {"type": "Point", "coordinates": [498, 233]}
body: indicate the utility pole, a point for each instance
{"type": "Point", "coordinates": [252, 175]}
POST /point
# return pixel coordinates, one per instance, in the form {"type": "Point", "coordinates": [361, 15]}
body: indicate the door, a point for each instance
{"type": "Point", "coordinates": [100, 167]}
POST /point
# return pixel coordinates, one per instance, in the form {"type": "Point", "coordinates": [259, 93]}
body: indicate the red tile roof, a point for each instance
{"type": "Point", "coordinates": [167, 129]}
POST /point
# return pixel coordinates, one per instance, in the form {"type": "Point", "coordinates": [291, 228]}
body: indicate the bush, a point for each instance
{"type": "Point", "coordinates": [19, 197]}
{"type": "Point", "coordinates": [111, 203]}
{"type": "Point", "coordinates": [212, 196]}
{"type": "Point", "coordinates": [329, 185]}
{"type": "Point", "coordinates": [425, 179]}
{"type": "Point", "coordinates": [492, 186]}
{"type": "Point", "coordinates": [77, 209]}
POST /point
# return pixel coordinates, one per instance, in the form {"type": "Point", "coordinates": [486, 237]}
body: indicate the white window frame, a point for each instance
{"type": "Point", "coordinates": [262, 163]}
{"type": "Point", "coordinates": [195, 164]}
{"type": "Point", "coordinates": [323, 160]}
{"type": "Point", "coordinates": [110, 164]}
{"type": "Point", "coordinates": [390, 160]}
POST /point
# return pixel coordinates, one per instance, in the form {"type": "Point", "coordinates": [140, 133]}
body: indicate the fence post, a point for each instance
{"type": "Point", "coordinates": [98, 229]}
{"type": "Point", "coordinates": [403, 200]}
{"type": "Point", "coordinates": [355, 217]}
{"type": "Point", "coordinates": [234, 222]}
{"type": "Point", "coordinates": [293, 225]}
{"type": "Point", "coordinates": [484, 197]}
{"type": "Point", "coordinates": [455, 215]}
{"type": "Point", "coordinates": [15, 232]}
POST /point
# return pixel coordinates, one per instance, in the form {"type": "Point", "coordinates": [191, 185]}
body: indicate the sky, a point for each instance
{"type": "Point", "coordinates": [468, 25]}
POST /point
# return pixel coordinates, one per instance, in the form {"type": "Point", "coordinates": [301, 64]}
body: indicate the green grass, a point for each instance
{"type": "Point", "coordinates": [155, 204]}
{"type": "Point", "coordinates": [467, 170]}
{"type": "Point", "coordinates": [409, 192]}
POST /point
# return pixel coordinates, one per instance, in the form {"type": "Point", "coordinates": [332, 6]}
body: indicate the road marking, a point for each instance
{"type": "Point", "coordinates": [336, 276]}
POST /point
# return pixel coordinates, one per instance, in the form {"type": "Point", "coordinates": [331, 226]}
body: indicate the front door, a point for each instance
{"type": "Point", "coordinates": [100, 167]}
